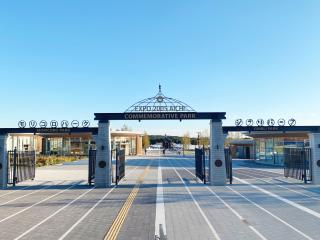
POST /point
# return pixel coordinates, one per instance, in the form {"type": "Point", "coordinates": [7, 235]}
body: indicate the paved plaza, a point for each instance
{"type": "Point", "coordinates": [160, 196]}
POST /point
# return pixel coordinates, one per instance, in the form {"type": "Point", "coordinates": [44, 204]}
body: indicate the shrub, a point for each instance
{"type": "Point", "coordinates": [43, 160]}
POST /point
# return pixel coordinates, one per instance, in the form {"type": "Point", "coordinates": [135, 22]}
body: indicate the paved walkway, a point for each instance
{"type": "Point", "coordinates": [160, 196]}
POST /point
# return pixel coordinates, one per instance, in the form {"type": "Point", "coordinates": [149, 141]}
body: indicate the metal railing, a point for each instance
{"type": "Point", "coordinates": [92, 165]}
{"type": "Point", "coordinates": [297, 163]}
{"type": "Point", "coordinates": [200, 164]}
{"type": "Point", "coordinates": [228, 161]}
{"type": "Point", "coordinates": [120, 165]}
{"type": "Point", "coordinates": [21, 166]}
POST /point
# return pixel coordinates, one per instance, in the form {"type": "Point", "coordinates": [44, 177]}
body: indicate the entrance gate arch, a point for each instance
{"type": "Point", "coordinates": [160, 107]}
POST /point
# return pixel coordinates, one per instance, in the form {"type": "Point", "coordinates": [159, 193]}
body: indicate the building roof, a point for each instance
{"type": "Point", "coordinates": [125, 133]}
{"type": "Point", "coordinates": [274, 129]}
{"type": "Point", "coordinates": [56, 132]}
{"type": "Point", "coordinates": [242, 142]}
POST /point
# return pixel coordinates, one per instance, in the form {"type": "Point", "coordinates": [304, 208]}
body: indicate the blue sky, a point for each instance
{"type": "Point", "coordinates": [69, 59]}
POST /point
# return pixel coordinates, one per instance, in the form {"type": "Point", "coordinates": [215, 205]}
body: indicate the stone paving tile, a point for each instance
{"type": "Point", "coordinates": [299, 219]}
{"type": "Point", "coordinates": [183, 219]}
{"type": "Point", "coordinates": [267, 225]}
{"type": "Point", "coordinates": [139, 223]}
{"type": "Point", "coordinates": [312, 190]}
{"type": "Point", "coordinates": [312, 203]}
{"type": "Point", "coordinates": [13, 194]}
{"type": "Point", "coordinates": [22, 203]}
{"type": "Point", "coordinates": [223, 220]}
{"type": "Point", "coordinates": [24, 220]}
{"type": "Point", "coordinates": [228, 225]}
{"type": "Point", "coordinates": [94, 226]}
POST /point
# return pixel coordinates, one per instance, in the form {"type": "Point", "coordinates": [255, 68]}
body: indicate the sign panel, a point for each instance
{"type": "Point", "coordinates": [314, 129]}
{"type": "Point", "coordinates": [146, 116]}
{"type": "Point", "coordinates": [160, 116]}
{"type": "Point", "coordinates": [52, 130]}
{"type": "Point", "coordinates": [270, 122]}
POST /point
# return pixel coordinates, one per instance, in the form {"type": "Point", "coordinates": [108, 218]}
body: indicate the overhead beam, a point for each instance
{"type": "Point", "coordinates": [160, 116]}
{"type": "Point", "coordinates": [313, 129]}
{"type": "Point", "coordinates": [92, 130]}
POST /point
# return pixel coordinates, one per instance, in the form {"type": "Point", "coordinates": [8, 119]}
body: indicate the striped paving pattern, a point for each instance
{"type": "Point", "coordinates": [161, 198]}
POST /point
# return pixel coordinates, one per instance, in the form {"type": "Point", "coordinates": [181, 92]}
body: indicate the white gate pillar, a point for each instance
{"type": "Point", "coordinates": [315, 157]}
{"type": "Point", "coordinates": [217, 158]}
{"type": "Point", "coordinates": [102, 178]}
{"type": "Point", "coordinates": [3, 162]}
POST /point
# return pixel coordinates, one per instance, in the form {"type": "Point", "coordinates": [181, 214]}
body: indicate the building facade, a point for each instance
{"type": "Point", "coordinates": [75, 144]}
{"type": "Point", "coordinates": [270, 149]}
{"type": "Point", "coordinates": [242, 148]}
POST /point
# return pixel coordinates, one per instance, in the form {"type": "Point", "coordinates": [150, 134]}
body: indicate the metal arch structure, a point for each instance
{"type": "Point", "coordinates": [159, 103]}
{"type": "Point", "coordinates": [160, 107]}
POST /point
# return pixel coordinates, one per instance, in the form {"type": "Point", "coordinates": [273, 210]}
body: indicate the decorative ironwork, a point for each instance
{"type": "Point", "coordinates": [120, 165]}
{"type": "Point", "coordinates": [53, 124]}
{"type": "Point", "coordinates": [239, 122]}
{"type": "Point", "coordinates": [249, 122]}
{"type": "Point", "coordinates": [43, 124]}
{"type": "Point", "coordinates": [75, 123]}
{"type": "Point", "coordinates": [281, 122]}
{"type": "Point", "coordinates": [92, 165]}
{"type": "Point", "coordinates": [32, 124]}
{"type": "Point", "coordinates": [22, 124]}
{"type": "Point", "coordinates": [85, 124]}
{"type": "Point", "coordinates": [228, 159]}
{"type": "Point", "coordinates": [21, 166]}
{"type": "Point", "coordinates": [292, 122]}
{"type": "Point", "coordinates": [260, 122]}
{"type": "Point", "coordinates": [200, 162]}
{"type": "Point", "coordinates": [270, 122]}
{"type": "Point", "coordinates": [297, 163]}
{"type": "Point", "coordinates": [160, 103]}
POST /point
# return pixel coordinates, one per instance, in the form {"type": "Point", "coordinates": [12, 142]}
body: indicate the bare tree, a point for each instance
{"type": "Point", "coordinates": [204, 138]}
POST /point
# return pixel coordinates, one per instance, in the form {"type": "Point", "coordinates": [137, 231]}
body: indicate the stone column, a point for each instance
{"type": "Point", "coordinates": [315, 156]}
{"type": "Point", "coordinates": [217, 158]}
{"type": "Point", "coordinates": [103, 158]}
{"type": "Point", "coordinates": [3, 162]}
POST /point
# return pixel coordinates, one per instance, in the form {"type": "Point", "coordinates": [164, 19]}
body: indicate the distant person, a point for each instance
{"type": "Point", "coordinates": [145, 151]}
{"type": "Point", "coordinates": [164, 151]}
